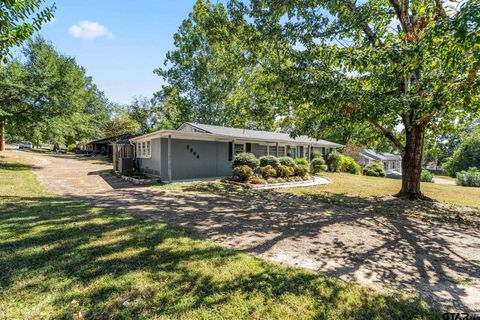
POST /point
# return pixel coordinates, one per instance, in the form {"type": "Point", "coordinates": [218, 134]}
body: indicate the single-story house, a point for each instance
{"type": "Point", "coordinates": [199, 151]}
{"type": "Point", "coordinates": [103, 146]}
{"type": "Point", "coordinates": [390, 161]}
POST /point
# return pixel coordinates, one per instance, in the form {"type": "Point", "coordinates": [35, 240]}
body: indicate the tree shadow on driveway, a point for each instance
{"type": "Point", "coordinates": [367, 240]}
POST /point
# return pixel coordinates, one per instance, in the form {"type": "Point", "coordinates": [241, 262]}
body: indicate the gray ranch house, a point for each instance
{"type": "Point", "coordinates": [203, 151]}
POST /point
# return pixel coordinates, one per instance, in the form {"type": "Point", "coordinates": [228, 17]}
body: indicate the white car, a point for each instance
{"type": "Point", "coordinates": [25, 145]}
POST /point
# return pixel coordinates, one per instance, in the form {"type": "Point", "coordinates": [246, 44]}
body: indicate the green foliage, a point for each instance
{"type": "Point", "coordinates": [466, 156]}
{"type": "Point", "coordinates": [301, 170]}
{"type": "Point", "coordinates": [269, 161]}
{"type": "Point", "coordinates": [257, 180]}
{"type": "Point", "coordinates": [338, 162]}
{"type": "Point", "coordinates": [242, 172]}
{"type": "Point", "coordinates": [284, 171]}
{"type": "Point", "coordinates": [351, 166]}
{"type": "Point", "coordinates": [316, 154]}
{"type": "Point", "coordinates": [334, 162]}
{"type": "Point", "coordinates": [246, 159]}
{"type": "Point", "coordinates": [303, 161]}
{"type": "Point", "coordinates": [47, 97]}
{"type": "Point", "coordinates": [268, 171]}
{"type": "Point", "coordinates": [317, 165]}
{"type": "Point", "coordinates": [374, 169]}
{"type": "Point", "coordinates": [287, 161]}
{"type": "Point", "coordinates": [19, 20]}
{"type": "Point", "coordinates": [426, 176]}
{"type": "Point", "coordinates": [122, 123]}
{"type": "Point", "coordinates": [469, 178]}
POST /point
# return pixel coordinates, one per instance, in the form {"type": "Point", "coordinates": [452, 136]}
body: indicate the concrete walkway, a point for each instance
{"type": "Point", "coordinates": [440, 261]}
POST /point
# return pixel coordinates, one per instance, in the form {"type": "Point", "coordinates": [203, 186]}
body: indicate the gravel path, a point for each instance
{"type": "Point", "coordinates": [438, 260]}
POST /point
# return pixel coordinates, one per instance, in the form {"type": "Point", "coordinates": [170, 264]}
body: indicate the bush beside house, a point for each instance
{"type": "Point", "coordinates": [318, 165]}
{"type": "Point", "coordinates": [426, 176]}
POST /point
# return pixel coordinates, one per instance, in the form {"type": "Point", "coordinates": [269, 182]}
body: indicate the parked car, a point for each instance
{"type": "Point", "coordinates": [25, 145]}
{"type": "Point", "coordinates": [394, 174]}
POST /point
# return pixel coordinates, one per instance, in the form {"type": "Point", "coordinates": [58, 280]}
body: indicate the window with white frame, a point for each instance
{"type": "Point", "coordinates": [144, 149]}
{"type": "Point", "coordinates": [262, 150]}
{"type": "Point", "coordinates": [239, 148]}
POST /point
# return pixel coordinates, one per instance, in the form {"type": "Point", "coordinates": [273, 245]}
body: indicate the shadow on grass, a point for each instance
{"type": "Point", "coordinates": [14, 166]}
{"type": "Point", "coordinates": [66, 258]}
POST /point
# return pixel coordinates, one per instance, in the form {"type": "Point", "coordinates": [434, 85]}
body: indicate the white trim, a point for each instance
{"type": "Point", "coordinates": [225, 138]}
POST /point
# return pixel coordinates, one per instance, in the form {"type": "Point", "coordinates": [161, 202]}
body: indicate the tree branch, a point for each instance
{"type": "Point", "coordinates": [389, 135]}
{"type": "Point", "coordinates": [372, 37]}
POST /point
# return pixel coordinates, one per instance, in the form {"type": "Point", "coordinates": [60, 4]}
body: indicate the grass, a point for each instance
{"type": "Point", "coordinates": [63, 259]}
{"type": "Point", "coordinates": [363, 186]}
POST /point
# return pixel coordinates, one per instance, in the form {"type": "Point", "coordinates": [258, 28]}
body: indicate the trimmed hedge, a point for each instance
{"type": "Point", "coordinates": [303, 161]}
{"type": "Point", "coordinates": [316, 155]}
{"type": "Point", "coordinates": [268, 172]}
{"type": "Point", "coordinates": [246, 159]}
{"type": "Point", "coordinates": [318, 165]}
{"type": "Point", "coordinates": [269, 161]}
{"type": "Point", "coordinates": [374, 169]}
{"type": "Point", "coordinates": [287, 161]}
{"type": "Point", "coordinates": [301, 170]}
{"type": "Point", "coordinates": [242, 173]}
{"type": "Point", "coordinates": [284, 171]}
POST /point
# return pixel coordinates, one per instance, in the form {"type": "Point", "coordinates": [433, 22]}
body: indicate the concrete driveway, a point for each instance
{"type": "Point", "coordinates": [440, 261]}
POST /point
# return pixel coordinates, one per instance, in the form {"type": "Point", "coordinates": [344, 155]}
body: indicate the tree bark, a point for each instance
{"type": "Point", "coordinates": [2, 134]}
{"type": "Point", "coordinates": [412, 163]}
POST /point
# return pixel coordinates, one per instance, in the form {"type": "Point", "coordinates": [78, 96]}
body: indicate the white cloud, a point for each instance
{"type": "Point", "coordinates": [88, 30]}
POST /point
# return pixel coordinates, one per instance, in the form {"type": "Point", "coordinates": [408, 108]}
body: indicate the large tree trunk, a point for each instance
{"type": "Point", "coordinates": [2, 134]}
{"type": "Point", "coordinates": [412, 163]}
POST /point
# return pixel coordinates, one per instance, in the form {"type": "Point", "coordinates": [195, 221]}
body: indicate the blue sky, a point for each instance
{"type": "Point", "coordinates": [120, 42]}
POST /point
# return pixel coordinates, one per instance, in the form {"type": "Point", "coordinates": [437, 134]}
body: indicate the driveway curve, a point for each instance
{"type": "Point", "coordinates": [439, 261]}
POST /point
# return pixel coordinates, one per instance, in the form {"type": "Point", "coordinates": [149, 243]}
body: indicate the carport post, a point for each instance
{"type": "Point", "coordinates": [276, 149]}
{"type": "Point", "coordinates": [169, 158]}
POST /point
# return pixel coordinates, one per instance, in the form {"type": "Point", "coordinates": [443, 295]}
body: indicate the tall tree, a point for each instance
{"type": "Point", "coordinates": [405, 68]}
{"type": "Point", "coordinates": [208, 78]}
{"type": "Point", "coordinates": [18, 21]}
{"type": "Point", "coordinates": [47, 97]}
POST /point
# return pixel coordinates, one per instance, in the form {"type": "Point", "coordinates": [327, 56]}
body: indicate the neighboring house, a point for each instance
{"type": "Point", "coordinates": [389, 160]}
{"type": "Point", "coordinates": [104, 146]}
{"type": "Point", "coordinates": [198, 150]}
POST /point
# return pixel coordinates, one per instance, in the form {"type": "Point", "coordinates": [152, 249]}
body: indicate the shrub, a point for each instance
{"type": "Point", "coordinates": [301, 161]}
{"type": "Point", "coordinates": [246, 159]}
{"type": "Point", "coordinates": [272, 181]}
{"type": "Point", "coordinates": [280, 180]}
{"type": "Point", "coordinates": [350, 166]}
{"type": "Point", "coordinates": [466, 156]}
{"type": "Point", "coordinates": [269, 161]}
{"type": "Point", "coordinates": [426, 176]}
{"type": "Point", "coordinates": [268, 172]}
{"type": "Point", "coordinates": [316, 155]}
{"type": "Point", "coordinates": [374, 169]}
{"type": "Point", "coordinates": [287, 161]}
{"type": "Point", "coordinates": [318, 165]}
{"type": "Point", "coordinates": [284, 171]}
{"type": "Point", "coordinates": [257, 180]}
{"type": "Point", "coordinates": [469, 178]}
{"type": "Point", "coordinates": [301, 170]}
{"type": "Point", "coordinates": [334, 161]}
{"type": "Point", "coordinates": [242, 173]}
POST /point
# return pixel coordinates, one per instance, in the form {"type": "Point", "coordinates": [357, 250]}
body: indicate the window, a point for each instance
{"type": "Point", "coordinates": [144, 149]}
{"type": "Point", "coordinates": [261, 151]}
{"type": "Point", "coordinates": [281, 151]}
{"type": "Point", "coordinates": [239, 148]}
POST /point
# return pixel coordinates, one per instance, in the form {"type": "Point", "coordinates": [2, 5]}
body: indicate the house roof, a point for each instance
{"type": "Point", "coordinates": [382, 156]}
{"type": "Point", "coordinates": [113, 139]}
{"type": "Point", "coordinates": [217, 133]}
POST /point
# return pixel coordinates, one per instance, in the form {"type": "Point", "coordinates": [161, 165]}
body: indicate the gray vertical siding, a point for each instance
{"type": "Point", "coordinates": [212, 160]}
{"type": "Point", "coordinates": [151, 165]}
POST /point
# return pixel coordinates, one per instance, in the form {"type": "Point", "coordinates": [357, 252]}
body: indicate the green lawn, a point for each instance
{"type": "Point", "coordinates": [61, 259]}
{"type": "Point", "coordinates": [363, 186]}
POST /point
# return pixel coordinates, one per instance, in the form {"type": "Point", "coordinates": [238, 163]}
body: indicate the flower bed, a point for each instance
{"type": "Point", "coordinates": [139, 180]}
{"type": "Point", "coordinates": [259, 183]}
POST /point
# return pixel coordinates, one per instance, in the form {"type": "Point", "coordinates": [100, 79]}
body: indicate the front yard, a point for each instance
{"type": "Point", "coordinates": [68, 259]}
{"type": "Point", "coordinates": [364, 186]}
